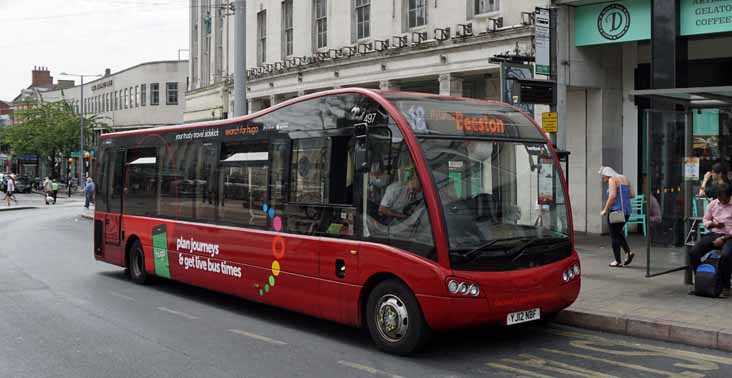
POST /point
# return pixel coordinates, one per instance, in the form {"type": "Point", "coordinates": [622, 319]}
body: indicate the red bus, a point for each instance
{"type": "Point", "coordinates": [401, 212]}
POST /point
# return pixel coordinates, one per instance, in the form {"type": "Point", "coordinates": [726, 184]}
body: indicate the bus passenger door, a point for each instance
{"type": "Point", "coordinates": [339, 273]}
{"type": "Point", "coordinates": [113, 218]}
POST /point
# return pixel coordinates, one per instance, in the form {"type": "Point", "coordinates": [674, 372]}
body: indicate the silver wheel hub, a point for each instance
{"type": "Point", "coordinates": [392, 318]}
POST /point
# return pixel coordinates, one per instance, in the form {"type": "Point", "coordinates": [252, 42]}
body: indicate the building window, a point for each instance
{"type": "Point", "coordinates": [321, 24]}
{"type": "Point", "coordinates": [143, 94]}
{"type": "Point", "coordinates": [486, 6]}
{"type": "Point", "coordinates": [417, 13]}
{"type": "Point", "coordinates": [363, 18]}
{"type": "Point", "coordinates": [126, 99]}
{"type": "Point", "coordinates": [137, 96]}
{"type": "Point", "coordinates": [155, 94]}
{"type": "Point", "coordinates": [287, 29]}
{"type": "Point", "coordinates": [261, 37]}
{"type": "Point", "coordinates": [171, 89]}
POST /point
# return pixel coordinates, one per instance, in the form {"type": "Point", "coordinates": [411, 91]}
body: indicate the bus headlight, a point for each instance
{"type": "Point", "coordinates": [571, 273]}
{"type": "Point", "coordinates": [452, 286]}
{"type": "Point", "coordinates": [474, 290]}
{"type": "Point", "coordinates": [456, 286]}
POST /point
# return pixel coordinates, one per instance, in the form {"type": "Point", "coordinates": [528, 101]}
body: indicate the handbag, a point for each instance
{"type": "Point", "coordinates": [618, 216]}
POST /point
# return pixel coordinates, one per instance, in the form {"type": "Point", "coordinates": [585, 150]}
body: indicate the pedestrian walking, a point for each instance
{"type": "Point", "coordinates": [47, 190]}
{"type": "Point", "coordinates": [68, 185]}
{"type": "Point", "coordinates": [10, 190]}
{"type": "Point", "coordinates": [54, 190]}
{"type": "Point", "coordinates": [89, 192]}
{"type": "Point", "coordinates": [617, 210]}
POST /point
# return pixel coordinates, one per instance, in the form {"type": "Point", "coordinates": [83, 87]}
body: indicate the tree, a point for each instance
{"type": "Point", "coordinates": [49, 130]}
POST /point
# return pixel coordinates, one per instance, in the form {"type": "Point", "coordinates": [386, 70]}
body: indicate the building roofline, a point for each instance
{"type": "Point", "coordinates": [125, 70]}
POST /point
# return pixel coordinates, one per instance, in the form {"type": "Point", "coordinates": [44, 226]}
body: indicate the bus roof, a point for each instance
{"type": "Point", "coordinates": [397, 98]}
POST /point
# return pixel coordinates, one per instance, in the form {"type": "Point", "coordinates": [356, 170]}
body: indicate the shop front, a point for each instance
{"type": "Point", "coordinates": [664, 103]}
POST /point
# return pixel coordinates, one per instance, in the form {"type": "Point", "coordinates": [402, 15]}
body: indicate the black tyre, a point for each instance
{"type": "Point", "coordinates": [136, 264]}
{"type": "Point", "coordinates": [394, 319]}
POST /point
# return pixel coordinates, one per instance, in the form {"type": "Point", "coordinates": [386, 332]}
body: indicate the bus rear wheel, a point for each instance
{"type": "Point", "coordinates": [394, 318]}
{"type": "Point", "coordinates": [137, 264]}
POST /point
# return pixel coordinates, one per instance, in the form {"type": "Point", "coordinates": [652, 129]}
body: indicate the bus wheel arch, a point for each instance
{"type": "Point", "coordinates": [135, 260]}
{"type": "Point", "coordinates": [386, 293]}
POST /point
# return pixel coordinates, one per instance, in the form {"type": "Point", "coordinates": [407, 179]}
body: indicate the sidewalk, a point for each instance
{"type": "Point", "coordinates": [623, 300]}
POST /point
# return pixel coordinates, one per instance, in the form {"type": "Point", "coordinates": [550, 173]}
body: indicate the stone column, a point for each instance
{"type": "Point", "coordinates": [451, 85]}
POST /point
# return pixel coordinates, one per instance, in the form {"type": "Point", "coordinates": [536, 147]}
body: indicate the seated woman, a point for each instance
{"type": "Point", "coordinates": [712, 180]}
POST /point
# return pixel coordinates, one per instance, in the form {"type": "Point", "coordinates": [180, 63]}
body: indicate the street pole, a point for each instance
{"type": "Point", "coordinates": [81, 136]}
{"type": "Point", "coordinates": [81, 125]}
{"type": "Point", "coordinates": [240, 58]}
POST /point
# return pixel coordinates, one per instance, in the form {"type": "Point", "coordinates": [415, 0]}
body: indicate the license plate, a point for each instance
{"type": "Point", "coordinates": [523, 316]}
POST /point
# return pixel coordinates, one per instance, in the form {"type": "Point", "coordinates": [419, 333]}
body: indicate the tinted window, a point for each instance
{"type": "Point", "coordinates": [396, 212]}
{"type": "Point", "coordinates": [141, 186]}
{"type": "Point", "coordinates": [244, 178]}
{"type": "Point", "coordinates": [179, 182]}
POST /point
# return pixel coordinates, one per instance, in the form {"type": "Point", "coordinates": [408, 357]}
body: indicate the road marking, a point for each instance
{"type": "Point", "coordinates": [556, 367]}
{"type": "Point", "coordinates": [514, 370]}
{"type": "Point", "coordinates": [698, 361]}
{"type": "Point", "coordinates": [368, 369]}
{"type": "Point", "coordinates": [125, 297]}
{"type": "Point", "coordinates": [181, 314]}
{"type": "Point", "coordinates": [258, 337]}
{"type": "Point", "coordinates": [669, 374]}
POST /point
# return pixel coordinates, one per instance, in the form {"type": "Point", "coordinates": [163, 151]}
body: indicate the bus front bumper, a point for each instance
{"type": "Point", "coordinates": [445, 313]}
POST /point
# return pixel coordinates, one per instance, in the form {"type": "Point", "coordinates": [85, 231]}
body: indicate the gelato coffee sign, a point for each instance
{"type": "Point", "coordinates": [705, 16]}
{"type": "Point", "coordinates": [617, 21]}
{"type": "Point", "coordinates": [614, 21]}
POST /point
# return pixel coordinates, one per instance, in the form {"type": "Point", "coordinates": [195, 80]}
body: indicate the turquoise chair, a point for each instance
{"type": "Point", "coordinates": [637, 213]}
{"type": "Point", "coordinates": [696, 214]}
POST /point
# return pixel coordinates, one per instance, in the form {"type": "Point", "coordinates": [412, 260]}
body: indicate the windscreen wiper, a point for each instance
{"type": "Point", "coordinates": [476, 251]}
{"type": "Point", "coordinates": [518, 251]}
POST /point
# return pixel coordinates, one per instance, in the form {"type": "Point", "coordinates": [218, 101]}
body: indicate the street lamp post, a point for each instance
{"type": "Point", "coordinates": [81, 125]}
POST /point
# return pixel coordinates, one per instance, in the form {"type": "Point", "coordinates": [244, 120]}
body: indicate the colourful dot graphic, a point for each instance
{"type": "Point", "coordinates": [278, 249]}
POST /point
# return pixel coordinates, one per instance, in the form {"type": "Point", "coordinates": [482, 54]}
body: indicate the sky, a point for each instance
{"type": "Point", "coordinates": [86, 36]}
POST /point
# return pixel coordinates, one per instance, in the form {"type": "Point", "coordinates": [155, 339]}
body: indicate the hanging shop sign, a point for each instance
{"type": "Point", "coordinates": [705, 16]}
{"type": "Point", "coordinates": [612, 22]}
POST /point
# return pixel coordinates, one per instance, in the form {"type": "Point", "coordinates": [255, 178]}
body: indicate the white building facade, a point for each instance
{"type": "Point", "coordinates": [146, 95]}
{"type": "Point", "coordinates": [304, 46]}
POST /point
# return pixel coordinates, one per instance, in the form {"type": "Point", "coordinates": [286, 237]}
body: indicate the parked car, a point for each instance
{"type": "Point", "coordinates": [23, 184]}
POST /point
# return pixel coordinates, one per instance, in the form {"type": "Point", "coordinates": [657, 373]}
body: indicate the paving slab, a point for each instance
{"type": "Point", "coordinates": [625, 301]}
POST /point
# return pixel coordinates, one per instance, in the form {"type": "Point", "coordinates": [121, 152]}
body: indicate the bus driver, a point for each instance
{"type": "Point", "coordinates": [401, 194]}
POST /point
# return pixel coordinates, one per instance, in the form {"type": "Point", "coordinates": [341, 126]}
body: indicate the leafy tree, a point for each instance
{"type": "Point", "coordinates": [49, 130]}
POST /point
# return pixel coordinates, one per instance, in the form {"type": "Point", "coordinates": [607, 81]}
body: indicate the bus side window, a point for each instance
{"type": "Point", "coordinates": [141, 185]}
{"type": "Point", "coordinates": [321, 187]}
{"type": "Point", "coordinates": [244, 175]}
{"type": "Point", "coordinates": [395, 211]}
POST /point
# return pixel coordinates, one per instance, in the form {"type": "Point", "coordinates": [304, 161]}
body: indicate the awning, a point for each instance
{"type": "Point", "coordinates": [699, 97]}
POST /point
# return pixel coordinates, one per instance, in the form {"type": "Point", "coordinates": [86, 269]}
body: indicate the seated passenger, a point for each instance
{"type": "Point", "coordinates": [718, 220]}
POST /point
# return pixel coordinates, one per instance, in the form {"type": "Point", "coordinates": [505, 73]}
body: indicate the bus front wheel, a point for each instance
{"type": "Point", "coordinates": [137, 263]}
{"type": "Point", "coordinates": [394, 318]}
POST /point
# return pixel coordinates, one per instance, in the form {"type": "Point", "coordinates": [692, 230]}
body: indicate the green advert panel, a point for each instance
{"type": "Point", "coordinates": [705, 16]}
{"type": "Point", "coordinates": [612, 22]}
